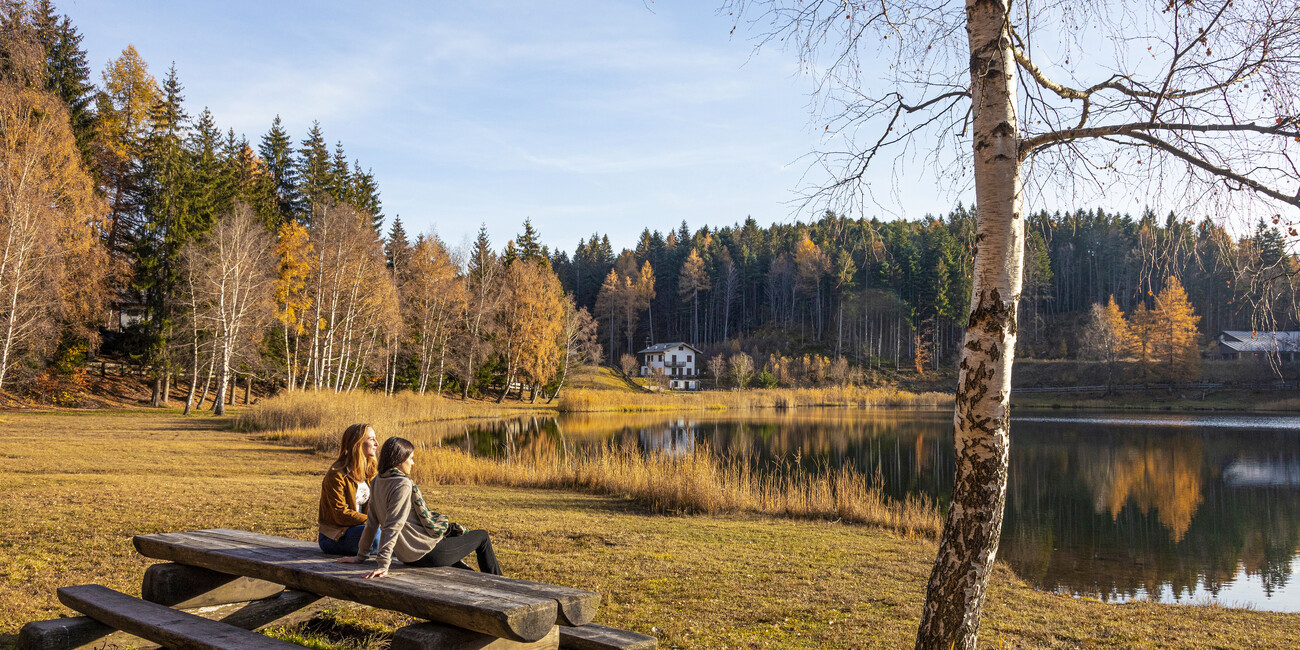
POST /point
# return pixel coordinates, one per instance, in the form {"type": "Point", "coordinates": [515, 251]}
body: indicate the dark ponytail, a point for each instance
{"type": "Point", "coordinates": [394, 452]}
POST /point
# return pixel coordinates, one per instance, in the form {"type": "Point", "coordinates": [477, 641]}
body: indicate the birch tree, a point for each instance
{"type": "Point", "coordinates": [433, 299]}
{"type": "Point", "coordinates": [1193, 102]}
{"type": "Point", "coordinates": [48, 216]}
{"type": "Point", "coordinates": [233, 271]}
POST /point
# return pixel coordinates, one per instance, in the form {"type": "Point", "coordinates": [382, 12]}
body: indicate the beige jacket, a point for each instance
{"type": "Point", "coordinates": [392, 513]}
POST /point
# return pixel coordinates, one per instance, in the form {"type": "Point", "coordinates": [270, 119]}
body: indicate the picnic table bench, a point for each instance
{"type": "Point", "coordinates": [251, 580]}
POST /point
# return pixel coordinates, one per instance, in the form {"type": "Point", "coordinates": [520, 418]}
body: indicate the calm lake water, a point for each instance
{"type": "Point", "coordinates": [1175, 508]}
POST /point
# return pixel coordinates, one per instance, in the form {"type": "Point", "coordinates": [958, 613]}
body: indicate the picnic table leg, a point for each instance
{"type": "Point", "coordinates": [428, 636]}
{"type": "Point", "coordinates": [188, 587]}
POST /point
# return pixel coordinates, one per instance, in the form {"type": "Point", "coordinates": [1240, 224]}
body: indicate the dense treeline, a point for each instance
{"type": "Point", "coordinates": [272, 262]}
{"type": "Point", "coordinates": [217, 260]}
{"type": "Point", "coordinates": [894, 293]}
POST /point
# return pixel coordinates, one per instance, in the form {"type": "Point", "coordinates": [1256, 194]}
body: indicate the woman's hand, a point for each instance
{"type": "Point", "coordinates": [377, 573]}
{"type": "Point", "coordinates": [351, 559]}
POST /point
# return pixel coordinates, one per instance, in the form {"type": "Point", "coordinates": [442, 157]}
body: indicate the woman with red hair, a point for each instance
{"type": "Point", "coordinates": [345, 492]}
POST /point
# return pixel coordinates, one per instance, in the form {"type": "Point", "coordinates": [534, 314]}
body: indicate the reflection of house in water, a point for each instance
{"type": "Point", "coordinates": [1263, 472]}
{"type": "Point", "coordinates": [676, 437]}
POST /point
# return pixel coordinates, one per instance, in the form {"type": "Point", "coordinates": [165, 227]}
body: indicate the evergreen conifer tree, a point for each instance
{"type": "Point", "coordinates": [315, 172]}
{"type": "Point", "coordinates": [276, 150]}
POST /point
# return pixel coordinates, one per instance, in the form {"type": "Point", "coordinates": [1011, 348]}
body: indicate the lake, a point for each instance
{"type": "Point", "coordinates": [1174, 508]}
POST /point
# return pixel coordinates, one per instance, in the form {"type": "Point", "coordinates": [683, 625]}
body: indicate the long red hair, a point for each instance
{"type": "Point", "coordinates": [351, 461]}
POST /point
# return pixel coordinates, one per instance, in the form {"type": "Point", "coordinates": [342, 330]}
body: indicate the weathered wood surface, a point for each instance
{"type": "Point", "coordinates": [300, 565]}
{"type": "Point", "coordinates": [576, 606]}
{"type": "Point", "coordinates": [172, 628]}
{"type": "Point", "coordinates": [77, 632]}
{"type": "Point", "coordinates": [436, 636]}
{"type": "Point", "coordinates": [189, 587]}
{"type": "Point", "coordinates": [599, 637]}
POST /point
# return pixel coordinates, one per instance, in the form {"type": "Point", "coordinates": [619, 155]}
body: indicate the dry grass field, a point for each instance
{"type": "Point", "coordinates": [77, 485]}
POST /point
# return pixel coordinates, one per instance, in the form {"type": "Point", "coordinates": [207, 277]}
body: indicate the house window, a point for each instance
{"type": "Point", "coordinates": [688, 358]}
{"type": "Point", "coordinates": [674, 358]}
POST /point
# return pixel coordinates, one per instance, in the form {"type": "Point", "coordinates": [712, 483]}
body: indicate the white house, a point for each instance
{"type": "Point", "coordinates": [677, 360]}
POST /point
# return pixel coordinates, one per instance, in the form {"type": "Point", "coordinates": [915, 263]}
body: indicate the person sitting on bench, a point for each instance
{"type": "Point", "coordinates": [345, 492]}
{"type": "Point", "coordinates": [407, 528]}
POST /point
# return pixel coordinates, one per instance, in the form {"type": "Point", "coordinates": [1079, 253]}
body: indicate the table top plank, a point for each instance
{"type": "Point", "coordinates": [483, 607]}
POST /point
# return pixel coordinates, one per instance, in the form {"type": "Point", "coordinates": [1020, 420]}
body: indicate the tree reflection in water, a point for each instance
{"type": "Point", "coordinates": [1149, 508]}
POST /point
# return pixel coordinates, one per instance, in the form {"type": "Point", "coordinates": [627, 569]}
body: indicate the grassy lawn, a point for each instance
{"type": "Point", "coordinates": [77, 485]}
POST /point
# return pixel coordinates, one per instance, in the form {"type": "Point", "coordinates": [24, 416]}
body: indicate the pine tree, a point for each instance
{"type": "Point", "coordinates": [123, 107]}
{"type": "Point", "coordinates": [169, 222]}
{"type": "Point", "coordinates": [67, 71]}
{"type": "Point", "coordinates": [276, 150]}
{"type": "Point", "coordinates": [364, 193]}
{"type": "Point", "coordinates": [340, 178]}
{"type": "Point", "coordinates": [315, 173]}
{"type": "Point", "coordinates": [398, 248]}
{"type": "Point", "coordinates": [526, 243]}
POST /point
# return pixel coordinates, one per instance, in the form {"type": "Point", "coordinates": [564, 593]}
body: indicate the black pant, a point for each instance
{"type": "Point", "coordinates": [450, 550]}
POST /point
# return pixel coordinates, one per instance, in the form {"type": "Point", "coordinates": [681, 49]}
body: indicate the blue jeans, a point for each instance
{"type": "Point", "coordinates": [347, 544]}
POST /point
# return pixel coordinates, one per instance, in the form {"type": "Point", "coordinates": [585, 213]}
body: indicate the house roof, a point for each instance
{"type": "Point", "coordinates": [1244, 341]}
{"type": "Point", "coordinates": [664, 347]}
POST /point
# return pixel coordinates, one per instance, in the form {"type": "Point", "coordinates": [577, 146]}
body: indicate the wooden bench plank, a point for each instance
{"type": "Point", "coordinates": [301, 565]}
{"type": "Point", "coordinates": [599, 637]}
{"type": "Point", "coordinates": [76, 632]}
{"type": "Point", "coordinates": [161, 624]}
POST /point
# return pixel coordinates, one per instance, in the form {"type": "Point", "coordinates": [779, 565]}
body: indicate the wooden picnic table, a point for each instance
{"type": "Point", "coordinates": [275, 579]}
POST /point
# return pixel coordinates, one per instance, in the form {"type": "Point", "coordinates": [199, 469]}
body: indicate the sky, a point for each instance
{"type": "Point", "coordinates": [582, 116]}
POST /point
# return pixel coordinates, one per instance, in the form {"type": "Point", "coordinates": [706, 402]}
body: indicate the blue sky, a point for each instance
{"type": "Point", "coordinates": [584, 116]}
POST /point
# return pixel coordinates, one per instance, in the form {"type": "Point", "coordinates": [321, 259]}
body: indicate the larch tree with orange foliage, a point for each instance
{"type": "Point", "coordinates": [49, 222]}
{"type": "Point", "coordinates": [692, 281]}
{"type": "Point", "coordinates": [130, 92]}
{"type": "Point", "coordinates": [293, 250]}
{"type": "Point", "coordinates": [433, 299]}
{"type": "Point", "coordinates": [1107, 337]}
{"type": "Point", "coordinates": [1175, 333]}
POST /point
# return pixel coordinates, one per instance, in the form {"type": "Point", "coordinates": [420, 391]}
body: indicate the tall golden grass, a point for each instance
{"type": "Point", "coordinates": [695, 481]}
{"type": "Point", "coordinates": [583, 400]}
{"type": "Point", "coordinates": [308, 413]}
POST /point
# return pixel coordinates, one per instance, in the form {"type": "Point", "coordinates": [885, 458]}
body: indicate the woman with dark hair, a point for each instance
{"type": "Point", "coordinates": [345, 492]}
{"type": "Point", "coordinates": [407, 528]}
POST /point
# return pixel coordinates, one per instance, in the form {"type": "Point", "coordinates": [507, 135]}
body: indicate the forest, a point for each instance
{"type": "Point", "coordinates": [137, 229]}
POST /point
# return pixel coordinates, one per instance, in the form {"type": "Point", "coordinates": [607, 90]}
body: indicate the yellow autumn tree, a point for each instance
{"type": "Point", "coordinates": [1107, 337]}
{"type": "Point", "coordinates": [1175, 334]}
{"type": "Point", "coordinates": [531, 325]}
{"type": "Point", "coordinates": [690, 283]}
{"type": "Point", "coordinates": [51, 266]}
{"type": "Point", "coordinates": [293, 251]}
{"type": "Point", "coordinates": [1143, 324]}
{"type": "Point", "coordinates": [130, 92]}
{"type": "Point", "coordinates": [433, 299]}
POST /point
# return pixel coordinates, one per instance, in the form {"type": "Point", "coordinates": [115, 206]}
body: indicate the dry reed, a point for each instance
{"type": "Point", "coordinates": [308, 412]}
{"type": "Point", "coordinates": [694, 481]}
{"type": "Point", "coordinates": [581, 400]}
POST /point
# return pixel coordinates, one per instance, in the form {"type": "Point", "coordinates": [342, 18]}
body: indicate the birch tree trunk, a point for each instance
{"type": "Point", "coordinates": [981, 419]}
